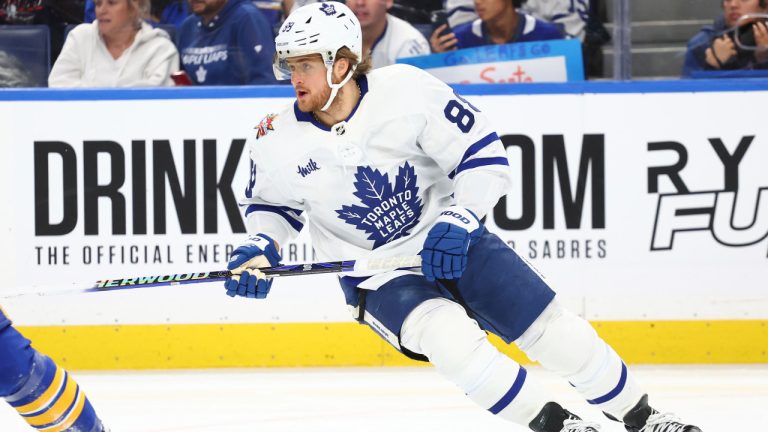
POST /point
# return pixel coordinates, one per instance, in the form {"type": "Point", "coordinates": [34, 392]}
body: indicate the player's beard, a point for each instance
{"type": "Point", "coordinates": [315, 101]}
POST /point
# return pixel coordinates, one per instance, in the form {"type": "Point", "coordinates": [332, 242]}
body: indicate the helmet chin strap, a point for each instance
{"type": "Point", "coordinates": [335, 87]}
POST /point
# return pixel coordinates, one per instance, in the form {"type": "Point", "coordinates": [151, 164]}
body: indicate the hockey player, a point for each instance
{"type": "Point", "coordinates": [391, 163]}
{"type": "Point", "coordinates": [44, 394]}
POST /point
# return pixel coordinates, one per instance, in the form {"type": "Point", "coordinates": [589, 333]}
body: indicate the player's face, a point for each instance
{"type": "Point", "coordinates": [734, 9]}
{"type": "Point", "coordinates": [370, 12]}
{"type": "Point", "coordinates": [308, 77]}
{"type": "Point", "coordinates": [489, 9]}
{"type": "Point", "coordinates": [115, 15]}
{"type": "Point", "coordinates": [206, 7]}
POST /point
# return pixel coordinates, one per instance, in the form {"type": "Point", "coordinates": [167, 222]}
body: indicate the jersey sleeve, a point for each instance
{"type": "Point", "coordinates": [267, 208]}
{"type": "Point", "coordinates": [461, 140]}
{"type": "Point", "coordinates": [456, 134]}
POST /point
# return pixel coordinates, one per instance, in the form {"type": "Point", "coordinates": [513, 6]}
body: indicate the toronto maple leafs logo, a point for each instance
{"type": "Point", "coordinates": [388, 211]}
{"type": "Point", "coordinates": [265, 126]}
{"type": "Point", "coordinates": [328, 9]}
{"type": "Point", "coordinates": [200, 74]}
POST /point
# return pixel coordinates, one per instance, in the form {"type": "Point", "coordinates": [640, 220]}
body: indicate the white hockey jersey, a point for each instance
{"type": "Point", "coordinates": [399, 39]}
{"type": "Point", "coordinates": [572, 15]}
{"type": "Point", "coordinates": [370, 186]}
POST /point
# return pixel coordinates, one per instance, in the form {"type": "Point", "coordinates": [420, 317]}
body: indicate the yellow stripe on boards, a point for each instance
{"type": "Point", "coordinates": [681, 342]}
{"type": "Point", "coordinates": [44, 399]}
{"type": "Point", "coordinates": [351, 344]}
{"type": "Point", "coordinates": [57, 410]}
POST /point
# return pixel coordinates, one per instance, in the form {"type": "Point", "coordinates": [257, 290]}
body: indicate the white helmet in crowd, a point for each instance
{"type": "Point", "coordinates": [318, 28]}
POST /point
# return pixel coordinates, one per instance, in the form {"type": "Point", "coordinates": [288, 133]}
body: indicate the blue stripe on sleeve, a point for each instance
{"type": "Point", "coordinates": [479, 145]}
{"type": "Point", "coordinates": [615, 392]}
{"type": "Point", "coordinates": [474, 163]}
{"type": "Point", "coordinates": [285, 212]}
{"type": "Point", "coordinates": [511, 393]}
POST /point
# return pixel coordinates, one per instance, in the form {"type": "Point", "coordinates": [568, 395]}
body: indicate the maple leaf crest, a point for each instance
{"type": "Point", "coordinates": [328, 9]}
{"type": "Point", "coordinates": [388, 211]}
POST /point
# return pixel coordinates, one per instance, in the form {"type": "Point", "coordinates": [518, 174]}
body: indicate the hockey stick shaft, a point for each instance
{"type": "Point", "coordinates": [372, 265]}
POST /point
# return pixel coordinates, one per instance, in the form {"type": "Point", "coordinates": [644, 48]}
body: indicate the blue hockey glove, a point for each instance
{"type": "Point", "coordinates": [258, 251]}
{"type": "Point", "coordinates": [444, 255]}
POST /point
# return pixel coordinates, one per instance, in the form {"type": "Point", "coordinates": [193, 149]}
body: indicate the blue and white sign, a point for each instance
{"type": "Point", "coordinates": [546, 61]}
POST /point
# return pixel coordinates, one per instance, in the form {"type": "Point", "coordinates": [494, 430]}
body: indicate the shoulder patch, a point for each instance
{"type": "Point", "coordinates": [265, 125]}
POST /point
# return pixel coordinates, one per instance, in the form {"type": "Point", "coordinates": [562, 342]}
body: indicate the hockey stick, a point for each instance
{"type": "Point", "coordinates": [374, 264]}
{"type": "Point", "coordinates": [370, 265]}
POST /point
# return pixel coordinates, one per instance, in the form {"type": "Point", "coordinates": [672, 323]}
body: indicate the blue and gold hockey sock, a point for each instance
{"type": "Point", "coordinates": [44, 394]}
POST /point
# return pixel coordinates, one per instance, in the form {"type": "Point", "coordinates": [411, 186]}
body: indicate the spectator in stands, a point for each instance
{"type": "Point", "coordinates": [172, 12]}
{"type": "Point", "coordinates": [714, 48]}
{"type": "Point", "coordinates": [572, 16]}
{"type": "Point", "coordinates": [118, 50]}
{"type": "Point", "coordinates": [226, 42]}
{"type": "Point", "coordinates": [581, 19]}
{"type": "Point", "coordinates": [499, 22]}
{"type": "Point", "coordinates": [459, 11]}
{"type": "Point", "coordinates": [386, 37]}
{"type": "Point", "coordinates": [160, 12]}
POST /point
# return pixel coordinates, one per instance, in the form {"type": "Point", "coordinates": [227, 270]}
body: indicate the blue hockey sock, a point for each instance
{"type": "Point", "coordinates": [44, 394]}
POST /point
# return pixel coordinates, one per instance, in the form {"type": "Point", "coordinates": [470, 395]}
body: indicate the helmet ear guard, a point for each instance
{"type": "Point", "coordinates": [318, 29]}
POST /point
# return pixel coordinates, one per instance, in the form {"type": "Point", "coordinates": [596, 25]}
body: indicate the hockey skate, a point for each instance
{"type": "Point", "coordinates": [643, 418]}
{"type": "Point", "coordinates": [554, 418]}
{"type": "Point", "coordinates": [578, 425]}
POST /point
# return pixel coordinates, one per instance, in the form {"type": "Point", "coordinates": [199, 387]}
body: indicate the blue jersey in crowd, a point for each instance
{"type": "Point", "coordinates": [529, 29]}
{"type": "Point", "coordinates": [696, 51]}
{"type": "Point", "coordinates": [235, 48]}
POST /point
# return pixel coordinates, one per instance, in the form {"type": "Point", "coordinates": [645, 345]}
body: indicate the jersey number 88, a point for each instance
{"type": "Point", "coordinates": [457, 114]}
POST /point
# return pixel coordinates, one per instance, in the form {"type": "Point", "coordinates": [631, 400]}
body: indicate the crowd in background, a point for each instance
{"type": "Point", "coordinates": [115, 43]}
{"type": "Point", "coordinates": [719, 47]}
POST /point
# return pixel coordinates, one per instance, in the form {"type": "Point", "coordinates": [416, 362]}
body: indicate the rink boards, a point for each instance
{"type": "Point", "coordinates": [642, 203]}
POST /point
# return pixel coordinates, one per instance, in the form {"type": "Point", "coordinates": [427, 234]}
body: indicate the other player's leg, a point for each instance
{"type": "Point", "coordinates": [45, 395]}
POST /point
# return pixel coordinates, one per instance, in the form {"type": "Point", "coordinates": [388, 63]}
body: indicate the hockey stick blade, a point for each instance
{"type": "Point", "coordinates": [370, 265]}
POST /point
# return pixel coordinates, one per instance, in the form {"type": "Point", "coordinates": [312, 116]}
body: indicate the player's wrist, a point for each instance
{"type": "Point", "coordinates": [257, 245]}
{"type": "Point", "coordinates": [460, 216]}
